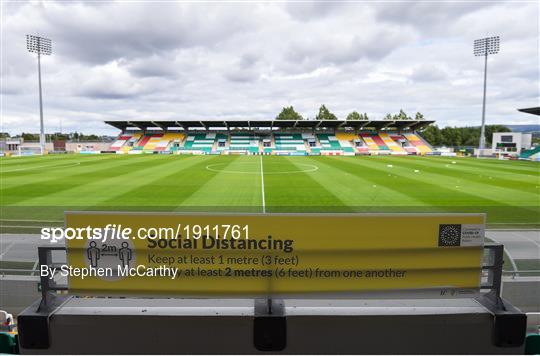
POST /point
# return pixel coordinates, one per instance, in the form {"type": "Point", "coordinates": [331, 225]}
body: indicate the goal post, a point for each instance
{"type": "Point", "coordinates": [30, 151]}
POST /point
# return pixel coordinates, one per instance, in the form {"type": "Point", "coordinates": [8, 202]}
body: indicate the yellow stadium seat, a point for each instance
{"type": "Point", "coordinates": [346, 136]}
{"type": "Point", "coordinates": [372, 146]}
{"type": "Point", "coordinates": [418, 143]}
{"type": "Point", "coordinates": [393, 145]}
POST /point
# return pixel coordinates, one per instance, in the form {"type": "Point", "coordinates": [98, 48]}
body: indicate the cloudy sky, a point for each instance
{"type": "Point", "coordinates": [167, 60]}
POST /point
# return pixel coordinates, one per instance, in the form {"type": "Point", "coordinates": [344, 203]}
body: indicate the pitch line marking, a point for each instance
{"type": "Point", "coordinates": [262, 187]}
{"type": "Point", "coordinates": [35, 267]}
{"type": "Point", "coordinates": [7, 249]}
{"type": "Point", "coordinates": [30, 168]}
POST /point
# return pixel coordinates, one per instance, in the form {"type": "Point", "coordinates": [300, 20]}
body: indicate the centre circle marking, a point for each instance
{"type": "Point", "coordinates": [215, 168]}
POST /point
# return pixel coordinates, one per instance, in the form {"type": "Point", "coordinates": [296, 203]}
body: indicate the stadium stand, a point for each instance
{"type": "Point", "coordinates": [330, 145]}
{"type": "Point", "coordinates": [380, 143]}
{"type": "Point", "coordinates": [292, 144]}
{"type": "Point", "coordinates": [242, 143]}
{"type": "Point", "coordinates": [417, 142]}
{"type": "Point", "coordinates": [283, 137]}
{"type": "Point", "coordinates": [170, 141]}
{"type": "Point", "coordinates": [199, 143]}
{"type": "Point", "coordinates": [311, 143]}
{"type": "Point", "coordinates": [152, 142]}
{"type": "Point", "coordinates": [345, 141]}
{"type": "Point", "coordinates": [142, 142]}
{"type": "Point", "coordinates": [392, 144]}
{"type": "Point", "coordinates": [532, 154]}
{"type": "Point", "coordinates": [371, 144]}
{"type": "Point", "coordinates": [120, 141]}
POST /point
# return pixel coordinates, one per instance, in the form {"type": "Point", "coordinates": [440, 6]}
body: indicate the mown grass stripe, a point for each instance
{"type": "Point", "coordinates": [142, 182]}
{"type": "Point", "coordinates": [79, 176]}
{"type": "Point", "coordinates": [12, 162]}
{"type": "Point", "coordinates": [86, 167]}
{"type": "Point", "coordinates": [517, 167]}
{"type": "Point", "coordinates": [476, 178]}
{"type": "Point", "coordinates": [297, 192]}
{"type": "Point", "coordinates": [167, 190]}
{"type": "Point", "coordinates": [422, 187]}
{"type": "Point", "coordinates": [438, 195]}
{"type": "Point", "coordinates": [94, 193]}
{"type": "Point", "coordinates": [226, 190]}
{"type": "Point", "coordinates": [354, 189]}
{"type": "Point", "coordinates": [27, 169]}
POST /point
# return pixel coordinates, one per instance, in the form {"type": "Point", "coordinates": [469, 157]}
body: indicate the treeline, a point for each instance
{"type": "Point", "coordinates": [448, 136]}
{"type": "Point", "coordinates": [288, 113]}
{"type": "Point", "coordinates": [460, 136]}
{"type": "Point", "coordinates": [73, 136]}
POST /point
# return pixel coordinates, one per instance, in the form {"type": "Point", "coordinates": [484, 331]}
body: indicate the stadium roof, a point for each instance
{"type": "Point", "coordinates": [534, 111]}
{"type": "Point", "coordinates": [252, 124]}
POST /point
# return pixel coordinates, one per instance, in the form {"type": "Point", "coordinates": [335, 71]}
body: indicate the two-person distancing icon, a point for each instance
{"type": "Point", "coordinates": [94, 254]}
{"type": "Point", "coordinates": [124, 254]}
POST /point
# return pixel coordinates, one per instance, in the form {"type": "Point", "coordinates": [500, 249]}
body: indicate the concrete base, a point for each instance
{"type": "Point", "coordinates": [182, 326]}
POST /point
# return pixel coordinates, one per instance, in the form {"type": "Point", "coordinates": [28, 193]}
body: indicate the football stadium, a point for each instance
{"type": "Point", "coordinates": [269, 166]}
{"type": "Point", "coordinates": [154, 201]}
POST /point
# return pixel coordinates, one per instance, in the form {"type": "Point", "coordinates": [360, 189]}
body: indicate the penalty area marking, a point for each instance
{"type": "Point", "coordinates": [38, 167]}
{"type": "Point", "coordinates": [308, 168]}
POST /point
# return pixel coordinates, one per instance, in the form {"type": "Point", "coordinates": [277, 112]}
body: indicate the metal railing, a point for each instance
{"type": "Point", "coordinates": [493, 266]}
{"type": "Point", "coordinates": [522, 273]}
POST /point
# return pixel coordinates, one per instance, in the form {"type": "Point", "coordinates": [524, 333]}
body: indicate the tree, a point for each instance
{"type": "Point", "coordinates": [419, 116]}
{"type": "Point", "coordinates": [388, 117]}
{"type": "Point", "coordinates": [401, 116]}
{"type": "Point", "coordinates": [288, 113]}
{"type": "Point", "coordinates": [451, 137]}
{"type": "Point", "coordinates": [325, 114]}
{"type": "Point", "coordinates": [460, 136]}
{"type": "Point", "coordinates": [354, 116]}
{"type": "Point", "coordinates": [365, 117]}
{"type": "Point", "coordinates": [490, 129]}
{"type": "Point", "coordinates": [433, 135]}
{"type": "Point", "coordinates": [30, 137]}
{"type": "Point", "coordinates": [470, 136]}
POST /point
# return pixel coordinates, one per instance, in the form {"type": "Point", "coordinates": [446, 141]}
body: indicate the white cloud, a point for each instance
{"type": "Point", "coordinates": [135, 60]}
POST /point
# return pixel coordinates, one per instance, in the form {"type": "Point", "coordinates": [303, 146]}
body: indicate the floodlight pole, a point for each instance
{"type": "Point", "coordinates": [483, 127]}
{"type": "Point", "coordinates": [485, 47]}
{"type": "Point", "coordinates": [41, 125]}
{"type": "Point", "coordinates": [39, 45]}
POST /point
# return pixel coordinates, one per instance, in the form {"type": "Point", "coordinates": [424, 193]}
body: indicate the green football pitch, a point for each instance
{"type": "Point", "coordinates": [35, 190]}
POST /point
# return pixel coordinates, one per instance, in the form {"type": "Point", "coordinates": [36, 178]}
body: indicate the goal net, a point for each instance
{"type": "Point", "coordinates": [29, 151]}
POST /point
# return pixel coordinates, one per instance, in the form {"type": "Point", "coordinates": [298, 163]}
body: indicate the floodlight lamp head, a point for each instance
{"type": "Point", "coordinates": [40, 45]}
{"type": "Point", "coordinates": [485, 46]}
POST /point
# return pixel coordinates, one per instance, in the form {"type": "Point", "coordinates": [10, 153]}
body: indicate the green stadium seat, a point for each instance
{"type": "Point", "coordinates": [8, 343]}
{"type": "Point", "coordinates": [532, 344]}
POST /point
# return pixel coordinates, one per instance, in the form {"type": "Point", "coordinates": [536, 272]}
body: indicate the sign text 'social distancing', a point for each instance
{"type": "Point", "coordinates": [211, 255]}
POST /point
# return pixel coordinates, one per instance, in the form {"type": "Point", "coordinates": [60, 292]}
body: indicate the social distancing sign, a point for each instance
{"type": "Point", "coordinates": [249, 255]}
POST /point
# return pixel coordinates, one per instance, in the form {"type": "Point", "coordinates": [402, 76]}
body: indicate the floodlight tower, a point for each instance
{"type": "Point", "coordinates": [485, 47]}
{"type": "Point", "coordinates": [41, 46]}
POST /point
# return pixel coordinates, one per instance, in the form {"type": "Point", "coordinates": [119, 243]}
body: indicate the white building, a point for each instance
{"type": "Point", "coordinates": [511, 142]}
